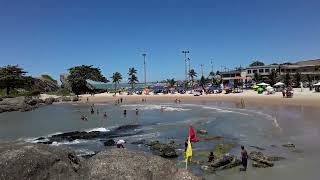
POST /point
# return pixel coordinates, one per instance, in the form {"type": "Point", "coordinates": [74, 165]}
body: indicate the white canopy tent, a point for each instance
{"type": "Point", "coordinates": [279, 84]}
{"type": "Point", "coordinates": [263, 84]}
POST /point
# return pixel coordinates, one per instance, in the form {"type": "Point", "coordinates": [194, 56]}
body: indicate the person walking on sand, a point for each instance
{"type": "Point", "coordinates": [121, 100]}
{"type": "Point", "coordinates": [244, 159]}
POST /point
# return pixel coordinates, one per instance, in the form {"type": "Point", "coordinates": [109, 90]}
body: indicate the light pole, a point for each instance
{"type": "Point", "coordinates": [185, 64]}
{"type": "Point", "coordinates": [145, 70]}
{"type": "Point", "coordinates": [189, 79]}
{"type": "Point", "coordinates": [201, 66]}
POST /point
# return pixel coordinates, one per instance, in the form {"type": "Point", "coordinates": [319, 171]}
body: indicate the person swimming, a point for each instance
{"type": "Point", "coordinates": [162, 109]}
{"type": "Point", "coordinates": [84, 118]}
{"type": "Point", "coordinates": [105, 114]}
{"type": "Point", "coordinates": [137, 111]}
{"type": "Point", "coordinates": [125, 112]}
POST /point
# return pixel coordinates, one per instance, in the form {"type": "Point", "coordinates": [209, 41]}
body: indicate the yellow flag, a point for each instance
{"type": "Point", "coordinates": [189, 151]}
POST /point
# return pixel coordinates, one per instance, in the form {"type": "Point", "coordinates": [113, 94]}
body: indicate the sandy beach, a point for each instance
{"type": "Point", "coordinates": [304, 98]}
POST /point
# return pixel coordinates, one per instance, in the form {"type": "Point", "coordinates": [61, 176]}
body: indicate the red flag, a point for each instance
{"type": "Point", "coordinates": [192, 134]}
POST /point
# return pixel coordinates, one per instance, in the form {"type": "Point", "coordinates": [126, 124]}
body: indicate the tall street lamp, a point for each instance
{"type": "Point", "coordinates": [145, 70]}
{"type": "Point", "coordinates": [185, 63]}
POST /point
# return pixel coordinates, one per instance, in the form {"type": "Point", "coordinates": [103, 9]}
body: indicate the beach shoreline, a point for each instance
{"type": "Point", "coordinates": [307, 99]}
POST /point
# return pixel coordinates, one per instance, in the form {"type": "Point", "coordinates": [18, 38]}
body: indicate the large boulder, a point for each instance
{"type": "Point", "coordinates": [65, 99]}
{"type": "Point", "coordinates": [117, 164]}
{"type": "Point", "coordinates": [14, 104]}
{"type": "Point", "coordinates": [260, 159]}
{"type": "Point", "coordinates": [163, 150]}
{"type": "Point", "coordinates": [20, 160]}
{"type": "Point", "coordinates": [49, 101]}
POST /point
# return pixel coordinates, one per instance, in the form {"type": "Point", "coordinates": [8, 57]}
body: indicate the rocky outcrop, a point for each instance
{"type": "Point", "coordinates": [224, 162]}
{"type": "Point", "coordinates": [49, 101]}
{"type": "Point", "coordinates": [263, 161]}
{"type": "Point", "coordinates": [20, 104]}
{"type": "Point", "coordinates": [289, 145]}
{"type": "Point", "coordinates": [65, 99]}
{"type": "Point", "coordinates": [33, 161]}
{"type": "Point", "coordinates": [45, 85]}
{"type": "Point", "coordinates": [17, 104]}
{"type": "Point", "coordinates": [64, 81]}
{"type": "Point", "coordinates": [163, 150]}
{"type": "Point", "coordinates": [19, 160]}
{"type": "Point", "coordinates": [117, 164]}
{"type": "Point", "coordinates": [109, 142]}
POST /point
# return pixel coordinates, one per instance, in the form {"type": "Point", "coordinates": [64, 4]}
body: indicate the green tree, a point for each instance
{"type": "Point", "coordinates": [192, 75]}
{"type": "Point", "coordinates": [171, 82]}
{"type": "Point", "coordinates": [116, 78]}
{"type": "Point", "coordinates": [256, 77]}
{"type": "Point", "coordinates": [273, 77]}
{"type": "Point", "coordinates": [79, 75]}
{"type": "Point", "coordinates": [297, 79]}
{"type": "Point", "coordinates": [309, 79]}
{"type": "Point", "coordinates": [202, 82]}
{"type": "Point", "coordinates": [133, 79]}
{"type": "Point", "coordinates": [287, 80]}
{"type": "Point", "coordinates": [256, 63]}
{"type": "Point", "coordinates": [13, 77]}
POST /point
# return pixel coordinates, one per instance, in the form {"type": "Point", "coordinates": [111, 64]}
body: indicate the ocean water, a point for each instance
{"type": "Point", "coordinates": [254, 125]}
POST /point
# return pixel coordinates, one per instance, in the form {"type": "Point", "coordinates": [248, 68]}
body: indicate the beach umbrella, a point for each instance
{"type": "Point", "coordinates": [263, 84]}
{"type": "Point", "coordinates": [269, 87]}
{"type": "Point", "coordinates": [279, 84]}
{"type": "Point", "coordinates": [318, 84]}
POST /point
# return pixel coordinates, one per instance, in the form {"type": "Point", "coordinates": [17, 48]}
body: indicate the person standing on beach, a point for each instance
{"type": "Point", "coordinates": [121, 100]}
{"type": "Point", "coordinates": [244, 159]}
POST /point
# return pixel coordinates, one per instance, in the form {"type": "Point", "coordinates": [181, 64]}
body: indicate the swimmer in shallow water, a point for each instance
{"type": "Point", "coordinates": [105, 114]}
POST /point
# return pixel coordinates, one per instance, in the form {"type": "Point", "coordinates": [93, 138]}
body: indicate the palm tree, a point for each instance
{"type": "Point", "coordinates": [297, 78]}
{"type": "Point", "coordinates": [171, 82]}
{"type": "Point", "coordinates": [192, 75]}
{"type": "Point", "coordinates": [116, 78]}
{"type": "Point", "coordinates": [202, 82]}
{"type": "Point", "coordinates": [211, 74]}
{"type": "Point", "coordinates": [133, 79]}
{"type": "Point", "coordinates": [309, 79]}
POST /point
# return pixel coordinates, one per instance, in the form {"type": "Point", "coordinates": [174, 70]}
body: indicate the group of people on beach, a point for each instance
{"type": "Point", "coordinates": [211, 157]}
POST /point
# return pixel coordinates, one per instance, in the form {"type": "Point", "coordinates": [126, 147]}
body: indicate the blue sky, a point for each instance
{"type": "Point", "coordinates": [49, 36]}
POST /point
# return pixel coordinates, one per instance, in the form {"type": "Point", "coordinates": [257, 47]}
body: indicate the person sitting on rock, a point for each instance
{"type": "Point", "coordinates": [244, 159]}
{"type": "Point", "coordinates": [120, 143]}
{"type": "Point", "coordinates": [211, 157]}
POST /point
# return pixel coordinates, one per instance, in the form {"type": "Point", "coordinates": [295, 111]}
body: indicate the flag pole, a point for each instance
{"type": "Point", "coordinates": [186, 153]}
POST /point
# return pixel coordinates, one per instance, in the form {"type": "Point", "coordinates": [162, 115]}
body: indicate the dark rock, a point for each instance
{"type": "Point", "coordinates": [127, 127]}
{"type": "Point", "coordinates": [259, 148]}
{"type": "Point", "coordinates": [35, 161]}
{"type": "Point", "coordinates": [224, 162]}
{"type": "Point", "coordinates": [163, 150]}
{"type": "Point", "coordinates": [71, 136]}
{"type": "Point", "coordinates": [1, 99]}
{"type": "Point", "coordinates": [117, 164]}
{"type": "Point", "coordinates": [201, 131]}
{"type": "Point", "coordinates": [260, 158]}
{"type": "Point", "coordinates": [49, 101]}
{"type": "Point", "coordinates": [259, 165]}
{"type": "Point", "coordinates": [19, 104]}
{"type": "Point", "coordinates": [142, 141]}
{"type": "Point", "coordinates": [109, 142]}
{"type": "Point", "coordinates": [32, 102]}
{"type": "Point", "coordinates": [289, 145]}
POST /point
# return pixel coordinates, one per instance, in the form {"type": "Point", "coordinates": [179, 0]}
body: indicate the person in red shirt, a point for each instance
{"type": "Point", "coordinates": [244, 159]}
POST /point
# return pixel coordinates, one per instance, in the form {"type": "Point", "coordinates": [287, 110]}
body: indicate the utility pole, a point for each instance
{"type": "Point", "coordinates": [201, 65]}
{"type": "Point", "coordinates": [145, 70]}
{"type": "Point", "coordinates": [185, 64]}
{"type": "Point", "coordinates": [211, 71]}
{"type": "Point", "coordinates": [189, 79]}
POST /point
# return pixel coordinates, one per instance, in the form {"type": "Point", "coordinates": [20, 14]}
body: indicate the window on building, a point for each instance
{"type": "Point", "coordinates": [249, 71]}
{"type": "Point", "coordinates": [254, 71]}
{"type": "Point", "coordinates": [261, 70]}
{"type": "Point", "coordinates": [267, 70]}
